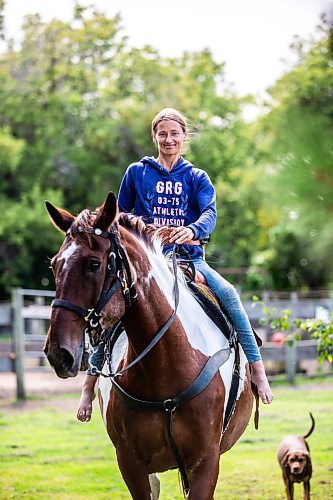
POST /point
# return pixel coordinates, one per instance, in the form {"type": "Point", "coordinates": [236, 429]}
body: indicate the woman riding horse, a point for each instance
{"type": "Point", "coordinates": [175, 392]}
{"type": "Point", "coordinates": [171, 191]}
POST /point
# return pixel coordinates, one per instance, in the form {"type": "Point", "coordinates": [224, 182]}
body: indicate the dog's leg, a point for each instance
{"type": "Point", "coordinates": [306, 495]}
{"type": "Point", "coordinates": [289, 489]}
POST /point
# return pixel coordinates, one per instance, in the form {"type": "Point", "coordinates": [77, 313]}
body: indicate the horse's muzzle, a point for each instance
{"type": "Point", "coordinates": [63, 364]}
{"type": "Point", "coordinates": [63, 361]}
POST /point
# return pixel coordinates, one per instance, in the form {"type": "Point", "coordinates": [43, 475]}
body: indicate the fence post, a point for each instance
{"type": "Point", "coordinates": [291, 361]}
{"type": "Point", "coordinates": [18, 331]}
{"type": "Point", "coordinates": [38, 327]}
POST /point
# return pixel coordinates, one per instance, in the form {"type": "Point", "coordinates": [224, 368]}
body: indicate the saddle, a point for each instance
{"type": "Point", "coordinates": [208, 300]}
{"type": "Point", "coordinates": [217, 313]}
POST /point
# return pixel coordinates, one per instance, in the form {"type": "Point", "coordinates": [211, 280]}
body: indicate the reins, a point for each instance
{"type": "Point", "coordinates": [162, 331]}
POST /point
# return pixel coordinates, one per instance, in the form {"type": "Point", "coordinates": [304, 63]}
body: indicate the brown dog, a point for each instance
{"type": "Point", "coordinates": [294, 459]}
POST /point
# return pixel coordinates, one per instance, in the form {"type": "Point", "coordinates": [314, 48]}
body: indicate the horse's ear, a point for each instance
{"type": "Point", "coordinates": [60, 218]}
{"type": "Point", "coordinates": [107, 212]}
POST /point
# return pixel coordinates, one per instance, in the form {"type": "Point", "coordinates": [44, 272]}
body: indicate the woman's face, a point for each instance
{"type": "Point", "coordinates": [169, 137]}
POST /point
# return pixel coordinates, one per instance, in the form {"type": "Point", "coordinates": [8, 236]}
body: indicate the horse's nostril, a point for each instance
{"type": "Point", "coordinates": [66, 358]}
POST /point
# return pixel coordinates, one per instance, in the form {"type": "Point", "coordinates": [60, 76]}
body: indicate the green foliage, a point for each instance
{"type": "Point", "coordinates": [2, 28]}
{"type": "Point", "coordinates": [323, 332]}
{"type": "Point", "coordinates": [26, 237]}
{"type": "Point", "coordinates": [11, 150]}
{"type": "Point", "coordinates": [76, 104]}
{"type": "Point", "coordinates": [289, 260]}
{"type": "Point", "coordinates": [296, 138]}
{"type": "Point", "coordinates": [318, 329]}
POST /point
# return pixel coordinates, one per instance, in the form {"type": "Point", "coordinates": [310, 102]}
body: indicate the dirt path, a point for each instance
{"type": "Point", "coordinates": [41, 387]}
{"type": "Point", "coordinates": [44, 389]}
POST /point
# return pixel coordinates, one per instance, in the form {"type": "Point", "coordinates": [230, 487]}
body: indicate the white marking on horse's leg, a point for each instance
{"type": "Point", "coordinates": [67, 254]}
{"type": "Point", "coordinates": [154, 486]}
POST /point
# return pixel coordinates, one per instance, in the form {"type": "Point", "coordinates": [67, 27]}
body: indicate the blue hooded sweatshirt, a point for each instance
{"type": "Point", "coordinates": [184, 196]}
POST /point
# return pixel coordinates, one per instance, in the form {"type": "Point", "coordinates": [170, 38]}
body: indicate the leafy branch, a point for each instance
{"type": "Point", "coordinates": [319, 330]}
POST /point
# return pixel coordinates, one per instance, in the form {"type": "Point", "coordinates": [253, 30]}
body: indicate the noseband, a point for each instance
{"type": "Point", "coordinates": [117, 267]}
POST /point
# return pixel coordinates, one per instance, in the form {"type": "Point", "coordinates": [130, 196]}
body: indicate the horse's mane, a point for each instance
{"type": "Point", "coordinates": [149, 233]}
{"type": "Point", "coordinates": [136, 226]}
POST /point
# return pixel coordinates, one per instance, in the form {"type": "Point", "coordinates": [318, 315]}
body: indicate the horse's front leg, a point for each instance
{"type": "Point", "coordinates": [135, 476]}
{"type": "Point", "coordinates": [203, 476]}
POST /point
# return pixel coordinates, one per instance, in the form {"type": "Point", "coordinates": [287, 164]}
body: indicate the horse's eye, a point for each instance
{"type": "Point", "coordinates": [93, 266]}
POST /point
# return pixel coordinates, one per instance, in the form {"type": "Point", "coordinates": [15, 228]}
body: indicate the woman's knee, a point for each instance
{"type": "Point", "coordinates": [219, 284]}
{"type": "Point", "coordinates": [229, 291]}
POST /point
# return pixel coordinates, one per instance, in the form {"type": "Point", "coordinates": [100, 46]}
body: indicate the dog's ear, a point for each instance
{"type": "Point", "coordinates": [285, 460]}
{"type": "Point", "coordinates": [308, 458]}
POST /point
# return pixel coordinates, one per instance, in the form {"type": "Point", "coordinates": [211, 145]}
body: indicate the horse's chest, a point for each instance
{"type": "Point", "coordinates": [136, 426]}
{"type": "Point", "coordinates": [144, 435]}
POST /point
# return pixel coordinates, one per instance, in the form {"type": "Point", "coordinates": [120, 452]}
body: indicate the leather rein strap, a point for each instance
{"type": "Point", "coordinates": [161, 332]}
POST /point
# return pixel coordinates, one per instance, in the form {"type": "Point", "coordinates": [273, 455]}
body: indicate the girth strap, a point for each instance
{"type": "Point", "coordinates": [233, 389]}
{"type": "Point", "coordinates": [176, 454]}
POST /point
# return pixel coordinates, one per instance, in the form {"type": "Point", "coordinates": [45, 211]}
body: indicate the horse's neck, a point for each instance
{"type": "Point", "coordinates": [148, 315]}
{"type": "Point", "coordinates": [171, 362]}
{"type": "Point", "coordinates": [153, 308]}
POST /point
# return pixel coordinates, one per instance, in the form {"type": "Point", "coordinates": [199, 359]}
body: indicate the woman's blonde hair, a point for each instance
{"type": "Point", "coordinates": [169, 114]}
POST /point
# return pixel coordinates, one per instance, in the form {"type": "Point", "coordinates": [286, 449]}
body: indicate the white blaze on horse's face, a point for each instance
{"type": "Point", "coordinates": [68, 253]}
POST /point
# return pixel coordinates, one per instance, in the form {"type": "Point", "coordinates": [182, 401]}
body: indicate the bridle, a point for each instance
{"type": "Point", "coordinates": [117, 267]}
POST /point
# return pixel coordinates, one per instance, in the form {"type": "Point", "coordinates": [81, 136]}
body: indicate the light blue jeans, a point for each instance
{"type": "Point", "coordinates": [231, 301]}
{"type": "Point", "coordinates": [96, 359]}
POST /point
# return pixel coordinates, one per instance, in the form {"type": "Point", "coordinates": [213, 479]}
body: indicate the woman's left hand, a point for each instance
{"type": "Point", "coordinates": [181, 234]}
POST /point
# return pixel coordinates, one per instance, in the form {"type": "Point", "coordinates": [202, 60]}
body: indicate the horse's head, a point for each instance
{"type": "Point", "coordinates": [86, 272]}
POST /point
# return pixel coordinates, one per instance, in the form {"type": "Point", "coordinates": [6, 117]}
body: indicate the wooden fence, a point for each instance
{"type": "Point", "coordinates": [34, 317]}
{"type": "Point", "coordinates": [36, 312]}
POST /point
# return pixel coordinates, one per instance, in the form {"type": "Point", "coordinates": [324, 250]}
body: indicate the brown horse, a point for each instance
{"type": "Point", "coordinates": [165, 392]}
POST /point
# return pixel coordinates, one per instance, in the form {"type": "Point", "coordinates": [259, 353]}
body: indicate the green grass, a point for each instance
{"type": "Point", "coordinates": [47, 453]}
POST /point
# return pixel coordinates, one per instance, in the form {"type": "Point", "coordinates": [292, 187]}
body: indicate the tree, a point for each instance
{"type": "Point", "coordinates": [76, 105]}
{"type": "Point", "coordinates": [297, 134]}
